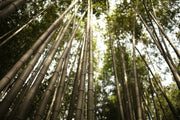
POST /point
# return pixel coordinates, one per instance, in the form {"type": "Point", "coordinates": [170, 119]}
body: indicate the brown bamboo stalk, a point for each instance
{"type": "Point", "coordinates": [83, 77]}
{"type": "Point", "coordinates": [58, 101]}
{"type": "Point", "coordinates": [137, 90]}
{"type": "Point", "coordinates": [48, 117]}
{"type": "Point", "coordinates": [50, 88]}
{"type": "Point", "coordinates": [75, 86]}
{"type": "Point", "coordinates": [90, 105]}
{"type": "Point", "coordinates": [123, 85]}
{"type": "Point", "coordinates": [126, 85]}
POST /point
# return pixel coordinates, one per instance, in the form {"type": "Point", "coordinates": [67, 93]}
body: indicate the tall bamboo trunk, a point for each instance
{"type": "Point", "coordinates": [90, 105]}
{"type": "Point", "coordinates": [75, 86]}
{"type": "Point", "coordinates": [83, 77]}
{"type": "Point", "coordinates": [25, 88]}
{"type": "Point", "coordinates": [166, 54]}
{"type": "Point", "coordinates": [9, 76]}
{"type": "Point", "coordinates": [48, 117]}
{"type": "Point", "coordinates": [138, 98]}
{"type": "Point", "coordinates": [125, 99]}
{"type": "Point", "coordinates": [54, 78]}
{"type": "Point", "coordinates": [69, 76]}
{"type": "Point", "coordinates": [120, 107]}
{"type": "Point", "coordinates": [58, 101]}
{"type": "Point", "coordinates": [61, 87]}
{"type": "Point", "coordinates": [126, 86]}
{"type": "Point", "coordinates": [147, 109]}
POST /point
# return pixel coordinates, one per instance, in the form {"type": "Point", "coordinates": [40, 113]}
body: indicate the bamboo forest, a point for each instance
{"type": "Point", "coordinates": [89, 60]}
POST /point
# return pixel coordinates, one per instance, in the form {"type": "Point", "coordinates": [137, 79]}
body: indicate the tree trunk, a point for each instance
{"type": "Point", "coordinates": [25, 88]}
{"type": "Point", "coordinates": [54, 97]}
{"type": "Point", "coordinates": [58, 101]}
{"type": "Point", "coordinates": [138, 98]}
{"type": "Point", "coordinates": [90, 105]}
{"type": "Point", "coordinates": [166, 55]}
{"type": "Point", "coordinates": [126, 113]}
{"type": "Point", "coordinates": [83, 77]}
{"type": "Point", "coordinates": [50, 88]}
{"type": "Point", "coordinates": [147, 109]}
{"type": "Point", "coordinates": [155, 107]}
{"type": "Point", "coordinates": [126, 86]}
{"type": "Point", "coordinates": [75, 87]}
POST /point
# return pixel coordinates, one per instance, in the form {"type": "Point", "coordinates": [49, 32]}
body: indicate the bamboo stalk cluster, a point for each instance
{"type": "Point", "coordinates": [19, 89]}
{"type": "Point", "coordinates": [19, 93]}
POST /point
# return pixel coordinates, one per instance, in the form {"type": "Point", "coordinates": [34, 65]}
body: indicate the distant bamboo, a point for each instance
{"type": "Point", "coordinates": [125, 107]}
{"type": "Point", "coordinates": [147, 109]}
{"type": "Point", "coordinates": [173, 68]}
{"type": "Point", "coordinates": [173, 110]}
{"type": "Point", "coordinates": [163, 32]}
{"type": "Point", "coordinates": [48, 117]}
{"type": "Point", "coordinates": [120, 107]}
{"type": "Point", "coordinates": [153, 89]}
